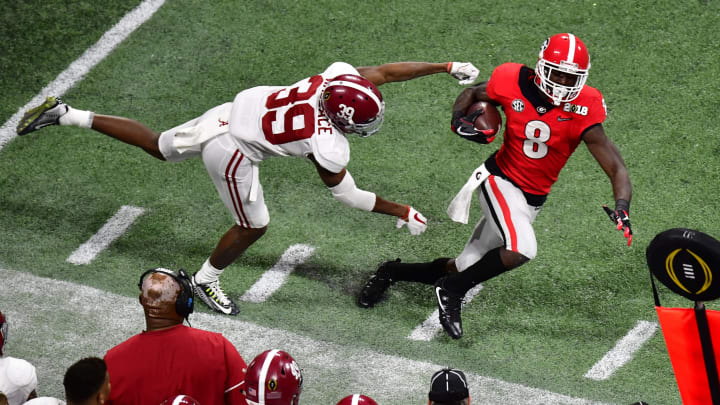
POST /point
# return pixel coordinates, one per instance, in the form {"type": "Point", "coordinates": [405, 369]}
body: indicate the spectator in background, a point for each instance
{"type": "Point", "coordinates": [18, 380]}
{"type": "Point", "coordinates": [169, 358]}
{"type": "Point", "coordinates": [3, 399]}
{"type": "Point", "coordinates": [87, 382]}
{"type": "Point", "coordinates": [449, 387]}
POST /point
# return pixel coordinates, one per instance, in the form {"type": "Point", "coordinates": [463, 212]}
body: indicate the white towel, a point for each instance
{"type": "Point", "coordinates": [210, 125]}
{"type": "Point", "coordinates": [459, 208]}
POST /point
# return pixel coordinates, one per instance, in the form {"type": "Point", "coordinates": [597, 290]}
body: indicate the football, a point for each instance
{"type": "Point", "coordinates": [489, 119]}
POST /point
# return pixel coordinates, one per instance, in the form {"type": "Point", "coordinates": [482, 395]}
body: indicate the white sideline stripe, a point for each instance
{"type": "Point", "coordinates": [113, 229]}
{"type": "Point", "coordinates": [274, 278]}
{"type": "Point", "coordinates": [431, 327]}
{"type": "Point", "coordinates": [623, 351]}
{"type": "Point", "coordinates": [81, 66]}
{"type": "Point", "coordinates": [55, 323]}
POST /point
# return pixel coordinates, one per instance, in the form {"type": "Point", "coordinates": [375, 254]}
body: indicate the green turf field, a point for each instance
{"type": "Point", "coordinates": [542, 325]}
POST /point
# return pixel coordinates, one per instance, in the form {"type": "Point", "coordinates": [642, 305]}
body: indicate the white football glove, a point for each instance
{"type": "Point", "coordinates": [415, 221]}
{"type": "Point", "coordinates": [465, 72]}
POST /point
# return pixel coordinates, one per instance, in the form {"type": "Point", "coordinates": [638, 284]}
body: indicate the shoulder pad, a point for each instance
{"type": "Point", "coordinates": [331, 150]}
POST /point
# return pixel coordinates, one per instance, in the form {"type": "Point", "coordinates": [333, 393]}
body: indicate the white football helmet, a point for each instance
{"type": "Point", "coordinates": [565, 54]}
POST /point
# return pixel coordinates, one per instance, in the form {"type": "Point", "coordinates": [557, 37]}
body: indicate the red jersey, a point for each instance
{"type": "Point", "coordinates": [539, 137]}
{"type": "Point", "coordinates": [152, 366]}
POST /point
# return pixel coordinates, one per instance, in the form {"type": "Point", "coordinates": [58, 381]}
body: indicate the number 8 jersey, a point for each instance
{"type": "Point", "coordinates": [271, 121]}
{"type": "Point", "coordinates": [539, 137]}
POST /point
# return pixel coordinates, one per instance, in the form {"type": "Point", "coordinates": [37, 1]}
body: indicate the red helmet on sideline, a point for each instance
{"type": "Point", "coordinates": [353, 104]}
{"type": "Point", "coordinates": [564, 53]}
{"type": "Point", "coordinates": [180, 400]}
{"type": "Point", "coordinates": [273, 378]}
{"type": "Point", "coordinates": [357, 399]}
{"type": "Point", "coordinates": [3, 331]}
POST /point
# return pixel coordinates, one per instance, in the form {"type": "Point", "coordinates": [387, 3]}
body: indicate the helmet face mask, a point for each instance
{"type": "Point", "coordinates": [562, 56]}
{"type": "Point", "coordinates": [353, 104]}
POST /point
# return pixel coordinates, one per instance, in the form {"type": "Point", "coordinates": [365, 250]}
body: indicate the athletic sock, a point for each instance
{"type": "Point", "coordinates": [426, 273]}
{"type": "Point", "coordinates": [207, 273]}
{"type": "Point", "coordinates": [486, 268]}
{"type": "Point", "coordinates": [78, 118]}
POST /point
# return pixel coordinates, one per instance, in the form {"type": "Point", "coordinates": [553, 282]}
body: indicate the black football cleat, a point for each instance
{"type": "Point", "coordinates": [375, 288]}
{"type": "Point", "coordinates": [47, 113]}
{"type": "Point", "coordinates": [449, 305]}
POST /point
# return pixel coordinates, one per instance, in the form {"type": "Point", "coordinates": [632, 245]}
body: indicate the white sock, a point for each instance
{"type": "Point", "coordinates": [208, 273]}
{"type": "Point", "coordinates": [78, 118]}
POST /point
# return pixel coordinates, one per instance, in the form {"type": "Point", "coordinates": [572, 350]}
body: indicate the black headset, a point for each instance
{"type": "Point", "coordinates": [186, 298]}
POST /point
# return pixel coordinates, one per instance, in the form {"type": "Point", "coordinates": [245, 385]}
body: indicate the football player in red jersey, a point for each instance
{"type": "Point", "coordinates": [548, 111]}
{"type": "Point", "coordinates": [308, 119]}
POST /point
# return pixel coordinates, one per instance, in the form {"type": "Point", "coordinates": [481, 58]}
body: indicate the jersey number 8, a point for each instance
{"type": "Point", "coordinates": [537, 134]}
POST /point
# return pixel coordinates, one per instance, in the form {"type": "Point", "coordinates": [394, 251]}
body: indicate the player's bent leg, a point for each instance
{"type": "Point", "coordinates": [390, 272]}
{"type": "Point", "coordinates": [206, 281]}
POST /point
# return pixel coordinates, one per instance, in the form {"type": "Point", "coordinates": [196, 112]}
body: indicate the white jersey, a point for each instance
{"type": "Point", "coordinates": [271, 121]}
{"type": "Point", "coordinates": [17, 379]}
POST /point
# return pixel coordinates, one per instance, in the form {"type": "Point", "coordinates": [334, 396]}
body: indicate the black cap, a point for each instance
{"type": "Point", "coordinates": [448, 385]}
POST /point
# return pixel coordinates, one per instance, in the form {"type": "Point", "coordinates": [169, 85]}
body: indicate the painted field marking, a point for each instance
{"type": "Point", "coordinates": [623, 351]}
{"type": "Point", "coordinates": [55, 323]}
{"type": "Point", "coordinates": [431, 327]}
{"type": "Point", "coordinates": [113, 229]}
{"type": "Point", "coordinates": [81, 66]}
{"type": "Point", "coordinates": [274, 278]}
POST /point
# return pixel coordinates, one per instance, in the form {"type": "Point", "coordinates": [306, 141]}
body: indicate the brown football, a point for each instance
{"type": "Point", "coordinates": [489, 119]}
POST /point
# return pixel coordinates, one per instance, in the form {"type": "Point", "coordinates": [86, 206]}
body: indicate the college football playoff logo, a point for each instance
{"type": "Point", "coordinates": [684, 260]}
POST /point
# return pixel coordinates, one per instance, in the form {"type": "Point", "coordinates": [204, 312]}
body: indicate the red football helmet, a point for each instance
{"type": "Point", "coordinates": [273, 378]}
{"type": "Point", "coordinates": [180, 400]}
{"type": "Point", "coordinates": [565, 54]}
{"type": "Point", "coordinates": [353, 104]}
{"type": "Point", "coordinates": [357, 399]}
{"type": "Point", "coordinates": [3, 331]}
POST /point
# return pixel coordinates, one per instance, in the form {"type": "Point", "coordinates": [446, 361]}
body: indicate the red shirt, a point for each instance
{"type": "Point", "coordinates": [152, 366]}
{"type": "Point", "coordinates": [539, 137]}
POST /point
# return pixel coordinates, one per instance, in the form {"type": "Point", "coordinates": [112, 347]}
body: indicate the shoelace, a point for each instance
{"type": "Point", "coordinates": [219, 293]}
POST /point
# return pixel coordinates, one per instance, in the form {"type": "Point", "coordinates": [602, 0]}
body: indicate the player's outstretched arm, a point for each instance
{"type": "Point", "coordinates": [343, 188]}
{"type": "Point", "coordinates": [611, 161]}
{"type": "Point", "coordinates": [465, 72]}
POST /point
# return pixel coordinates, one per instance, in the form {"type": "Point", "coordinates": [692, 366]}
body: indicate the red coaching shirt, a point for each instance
{"type": "Point", "coordinates": [152, 366]}
{"type": "Point", "coordinates": [539, 137]}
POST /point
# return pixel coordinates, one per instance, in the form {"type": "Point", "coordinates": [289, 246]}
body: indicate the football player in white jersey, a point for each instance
{"type": "Point", "coordinates": [306, 119]}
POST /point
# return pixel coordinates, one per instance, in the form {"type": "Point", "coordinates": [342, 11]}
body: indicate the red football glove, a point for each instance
{"type": "Point", "coordinates": [621, 218]}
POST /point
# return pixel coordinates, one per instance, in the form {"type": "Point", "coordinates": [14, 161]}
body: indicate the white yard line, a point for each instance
{"type": "Point", "coordinates": [623, 351]}
{"type": "Point", "coordinates": [274, 278]}
{"type": "Point", "coordinates": [78, 69]}
{"type": "Point", "coordinates": [431, 327]}
{"type": "Point", "coordinates": [113, 229]}
{"type": "Point", "coordinates": [55, 323]}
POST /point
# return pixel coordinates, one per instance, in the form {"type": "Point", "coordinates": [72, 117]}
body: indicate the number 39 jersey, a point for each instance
{"type": "Point", "coordinates": [539, 137]}
{"type": "Point", "coordinates": [271, 121]}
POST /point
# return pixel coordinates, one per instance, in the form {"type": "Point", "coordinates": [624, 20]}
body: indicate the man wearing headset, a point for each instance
{"type": "Point", "coordinates": [170, 358]}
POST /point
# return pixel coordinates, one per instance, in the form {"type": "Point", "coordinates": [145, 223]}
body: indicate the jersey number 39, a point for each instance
{"type": "Point", "coordinates": [306, 111]}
